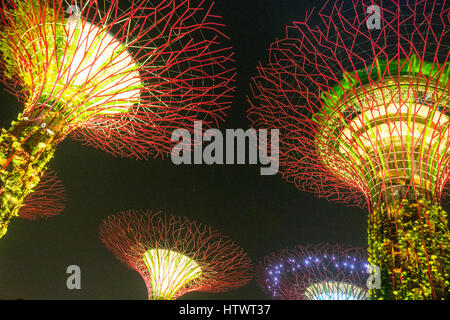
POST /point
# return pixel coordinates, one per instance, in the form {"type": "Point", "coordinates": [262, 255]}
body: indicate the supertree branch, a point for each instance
{"type": "Point", "coordinates": [321, 272]}
{"type": "Point", "coordinates": [175, 255]}
{"type": "Point", "coordinates": [118, 77]}
{"type": "Point", "coordinates": [48, 199]}
{"type": "Point", "coordinates": [364, 118]}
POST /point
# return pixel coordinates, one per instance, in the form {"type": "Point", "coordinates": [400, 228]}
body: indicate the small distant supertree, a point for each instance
{"type": "Point", "coordinates": [362, 103]}
{"type": "Point", "coordinates": [322, 272]}
{"type": "Point", "coordinates": [120, 77]}
{"type": "Point", "coordinates": [47, 200]}
{"type": "Point", "coordinates": [175, 255]}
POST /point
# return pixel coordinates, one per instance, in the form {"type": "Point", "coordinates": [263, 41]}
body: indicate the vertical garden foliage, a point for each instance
{"type": "Point", "coordinates": [410, 241]}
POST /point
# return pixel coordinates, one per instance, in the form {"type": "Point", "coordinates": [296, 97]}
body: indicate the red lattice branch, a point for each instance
{"type": "Point", "coordinates": [130, 235]}
{"type": "Point", "coordinates": [48, 199]}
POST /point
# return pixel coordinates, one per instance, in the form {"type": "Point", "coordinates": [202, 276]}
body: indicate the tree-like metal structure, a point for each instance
{"type": "Point", "coordinates": [47, 200]}
{"type": "Point", "coordinates": [175, 255]}
{"type": "Point", "coordinates": [120, 77]}
{"type": "Point", "coordinates": [362, 102]}
{"type": "Point", "coordinates": [321, 272]}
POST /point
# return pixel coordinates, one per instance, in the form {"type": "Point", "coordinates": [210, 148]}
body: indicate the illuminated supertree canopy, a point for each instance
{"type": "Point", "coordinates": [47, 200]}
{"type": "Point", "coordinates": [362, 104]}
{"type": "Point", "coordinates": [175, 255]}
{"type": "Point", "coordinates": [321, 272]}
{"type": "Point", "coordinates": [118, 77]}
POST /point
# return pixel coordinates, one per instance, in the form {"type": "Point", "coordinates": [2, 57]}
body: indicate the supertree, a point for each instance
{"type": "Point", "coordinates": [175, 255]}
{"type": "Point", "coordinates": [47, 200]}
{"type": "Point", "coordinates": [120, 77]}
{"type": "Point", "coordinates": [321, 272]}
{"type": "Point", "coordinates": [362, 103]}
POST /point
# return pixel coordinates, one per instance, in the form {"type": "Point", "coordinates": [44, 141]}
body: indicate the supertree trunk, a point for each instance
{"type": "Point", "coordinates": [409, 240]}
{"type": "Point", "coordinates": [25, 151]}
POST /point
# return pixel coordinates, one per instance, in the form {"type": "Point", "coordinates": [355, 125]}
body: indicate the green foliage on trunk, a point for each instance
{"type": "Point", "coordinates": [25, 151]}
{"type": "Point", "coordinates": [410, 241]}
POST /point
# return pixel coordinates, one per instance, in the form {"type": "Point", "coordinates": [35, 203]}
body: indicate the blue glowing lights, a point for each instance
{"type": "Point", "coordinates": [312, 273]}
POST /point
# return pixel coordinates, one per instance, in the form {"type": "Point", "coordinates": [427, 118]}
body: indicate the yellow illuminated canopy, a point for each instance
{"type": "Point", "coordinates": [169, 271]}
{"type": "Point", "coordinates": [333, 290]}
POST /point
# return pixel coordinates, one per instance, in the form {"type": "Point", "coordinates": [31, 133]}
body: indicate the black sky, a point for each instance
{"type": "Point", "coordinates": [261, 213]}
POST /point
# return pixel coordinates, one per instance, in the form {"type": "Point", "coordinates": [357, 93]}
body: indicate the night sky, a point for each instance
{"type": "Point", "coordinates": [261, 213]}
